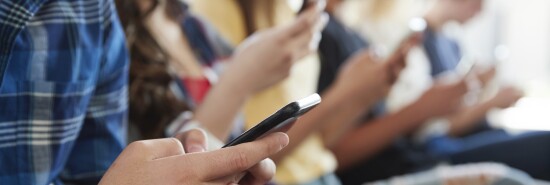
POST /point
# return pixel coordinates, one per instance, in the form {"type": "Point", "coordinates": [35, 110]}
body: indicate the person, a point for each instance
{"type": "Point", "coordinates": [380, 139]}
{"type": "Point", "coordinates": [308, 160]}
{"type": "Point", "coordinates": [185, 161]}
{"type": "Point", "coordinates": [176, 69]}
{"type": "Point", "coordinates": [477, 141]}
{"type": "Point", "coordinates": [63, 99]}
{"type": "Point", "coordinates": [393, 151]}
{"type": "Point", "coordinates": [63, 91]}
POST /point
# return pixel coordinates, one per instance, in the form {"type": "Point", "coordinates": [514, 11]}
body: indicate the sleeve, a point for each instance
{"type": "Point", "coordinates": [103, 134]}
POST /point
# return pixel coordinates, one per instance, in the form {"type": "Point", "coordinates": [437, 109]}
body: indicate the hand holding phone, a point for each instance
{"type": "Point", "coordinates": [279, 121]}
{"type": "Point", "coordinates": [397, 60]}
{"type": "Point", "coordinates": [308, 3]}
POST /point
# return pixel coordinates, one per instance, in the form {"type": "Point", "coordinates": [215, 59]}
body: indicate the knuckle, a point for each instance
{"type": "Point", "coordinates": [269, 148]}
{"type": "Point", "coordinates": [137, 145]}
{"type": "Point", "coordinates": [240, 162]}
{"type": "Point", "coordinates": [174, 141]}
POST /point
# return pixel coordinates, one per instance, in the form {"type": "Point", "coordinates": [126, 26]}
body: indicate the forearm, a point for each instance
{"type": "Point", "coordinates": [344, 117]}
{"type": "Point", "coordinates": [216, 116]}
{"type": "Point", "coordinates": [366, 141]}
{"type": "Point", "coordinates": [464, 120]}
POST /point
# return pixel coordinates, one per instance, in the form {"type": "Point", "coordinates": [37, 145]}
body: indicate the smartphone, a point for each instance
{"type": "Point", "coordinates": [415, 26]}
{"type": "Point", "coordinates": [465, 66]}
{"type": "Point", "coordinates": [306, 4]}
{"type": "Point", "coordinates": [279, 120]}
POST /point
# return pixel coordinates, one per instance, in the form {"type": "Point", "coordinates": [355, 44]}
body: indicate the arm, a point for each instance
{"type": "Point", "coordinates": [262, 60]}
{"type": "Point", "coordinates": [367, 140]}
{"type": "Point", "coordinates": [335, 108]}
{"type": "Point", "coordinates": [464, 120]}
{"type": "Point", "coordinates": [343, 103]}
{"type": "Point", "coordinates": [364, 142]}
{"type": "Point", "coordinates": [103, 134]}
{"type": "Point", "coordinates": [218, 117]}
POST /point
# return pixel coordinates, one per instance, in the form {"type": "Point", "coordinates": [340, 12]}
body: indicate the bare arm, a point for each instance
{"type": "Point", "coordinates": [259, 62]}
{"type": "Point", "coordinates": [365, 141]}
{"type": "Point", "coordinates": [336, 107]}
{"type": "Point", "coordinates": [218, 117]}
{"type": "Point", "coordinates": [464, 120]}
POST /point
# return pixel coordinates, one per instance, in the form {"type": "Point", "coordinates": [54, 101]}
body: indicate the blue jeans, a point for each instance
{"type": "Point", "coordinates": [528, 152]}
{"type": "Point", "coordinates": [329, 179]}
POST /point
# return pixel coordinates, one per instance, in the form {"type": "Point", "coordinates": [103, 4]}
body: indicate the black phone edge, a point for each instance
{"type": "Point", "coordinates": [283, 116]}
{"type": "Point", "coordinates": [287, 112]}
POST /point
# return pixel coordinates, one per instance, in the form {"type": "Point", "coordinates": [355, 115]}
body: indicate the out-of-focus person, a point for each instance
{"type": "Point", "coordinates": [181, 65]}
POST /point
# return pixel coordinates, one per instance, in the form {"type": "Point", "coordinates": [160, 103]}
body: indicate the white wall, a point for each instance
{"type": "Point", "coordinates": [523, 26]}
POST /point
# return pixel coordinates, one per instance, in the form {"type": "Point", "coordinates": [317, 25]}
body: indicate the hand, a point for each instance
{"type": "Point", "coordinates": [164, 161]}
{"type": "Point", "coordinates": [366, 77]}
{"type": "Point", "coordinates": [398, 60]}
{"type": "Point", "coordinates": [442, 99]}
{"type": "Point", "coordinates": [506, 97]}
{"type": "Point", "coordinates": [266, 57]}
{"type": "Point", "coordinates": [485, 75]}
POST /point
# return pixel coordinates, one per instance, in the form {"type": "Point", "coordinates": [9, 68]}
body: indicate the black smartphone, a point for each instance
{"type": "Point", "coordinates": [305, 5]}
{"type": "Point", "coordinates": [279, 120]}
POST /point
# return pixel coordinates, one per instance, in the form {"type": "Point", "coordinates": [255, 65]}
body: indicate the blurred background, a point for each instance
{"type": "Point", "coordinates": [512, 34]}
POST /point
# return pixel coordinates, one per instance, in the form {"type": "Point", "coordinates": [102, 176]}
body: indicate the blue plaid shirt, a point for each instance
{"type": "Point", "coordinates": [63, 90]}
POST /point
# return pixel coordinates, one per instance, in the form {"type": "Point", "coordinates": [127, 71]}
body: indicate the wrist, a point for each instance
{"type": "Point", "coordinates": [489, 104]}
{"type": "Point", "coordinates": [417, 112]}
{"type": "Point", "coordinates": [235, 86]}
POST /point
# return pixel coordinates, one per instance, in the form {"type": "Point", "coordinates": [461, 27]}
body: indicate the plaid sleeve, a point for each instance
{"type": "Point", "coordinates": [103, 135]}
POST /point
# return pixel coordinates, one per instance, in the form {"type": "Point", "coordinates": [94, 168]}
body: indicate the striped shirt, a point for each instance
{"type": "Point", "coordinates": [63, 94]}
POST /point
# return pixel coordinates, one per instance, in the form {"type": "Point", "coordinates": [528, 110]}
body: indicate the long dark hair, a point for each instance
{"type": "Point", "coordinates": [153, 105]}
{"type": "Point", "coordinates": [251, 10]}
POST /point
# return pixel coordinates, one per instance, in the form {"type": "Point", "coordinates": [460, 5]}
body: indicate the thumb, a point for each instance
{"type": "Point", "coordinates": [193, 140]}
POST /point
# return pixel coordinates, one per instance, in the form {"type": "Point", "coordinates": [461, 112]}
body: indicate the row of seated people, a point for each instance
{"type": "Point", "coordinates": [352, 134]}
{"type": "Point", "coordinates": [65, 78]}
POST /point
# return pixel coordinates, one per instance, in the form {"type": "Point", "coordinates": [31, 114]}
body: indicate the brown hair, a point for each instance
{"type": "Point", "coordinates": [153, 105]}
{"type": "Point", "coordinates": [252, 9]}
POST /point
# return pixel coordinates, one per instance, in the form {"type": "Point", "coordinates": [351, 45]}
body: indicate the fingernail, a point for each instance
{"type": "Point", "coordinates": [283, 138]}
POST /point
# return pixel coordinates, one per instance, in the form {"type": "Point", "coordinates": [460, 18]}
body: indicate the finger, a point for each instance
{"type": "Point", "coordinates": [399, 56]}
{"type": "Point", "coordinates": [300, 46]}
{"type": "Point", "coordinates": [261, 173]}
{"type": "Point", "coordinates": [158, 148]}
{"type": "Point", "coordinates": [395, 71]}
{"type": "Point", "coordinates": [303, 24]}
{"type": "Point", "coordinates": [193, 141]}
{"type": "Point", "coordinates": [462, 86]}
{"type": "Point", "coordinates": [307, 41]}
{"type": "Point", "coordinates": [233, 160]}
